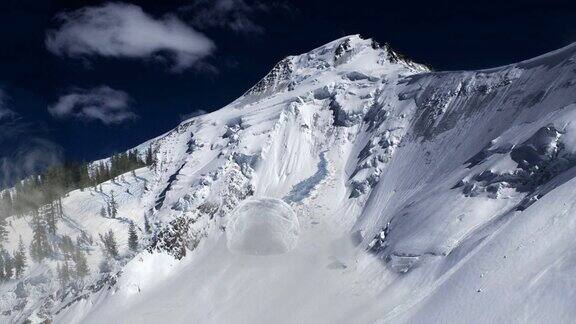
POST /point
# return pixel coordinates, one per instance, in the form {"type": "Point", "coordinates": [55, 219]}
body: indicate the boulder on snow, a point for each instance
{"type": "Point", "coordinates": [262, 226]}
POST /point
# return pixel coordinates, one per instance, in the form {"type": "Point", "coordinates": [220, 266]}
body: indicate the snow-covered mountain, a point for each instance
{"type": "Point", "coordinates": [349, 185]}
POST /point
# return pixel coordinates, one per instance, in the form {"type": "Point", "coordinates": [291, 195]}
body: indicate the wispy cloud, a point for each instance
{"type": "Point", "coordinates": [5, 111]}
{"type": "Point", "coordinates": [101, 103]}
{"type": "Point", "coordinates": [125, 30]}
{"type": "Point", "coordinates": [236, 15]}
{"type": "Point", "coordinates": [25, 150]}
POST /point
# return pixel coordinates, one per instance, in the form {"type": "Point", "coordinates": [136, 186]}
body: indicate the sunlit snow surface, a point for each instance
{"type": "Point", "coordinates": [420, 197]}
{"type": "Point", "coordinates": [262, 226]}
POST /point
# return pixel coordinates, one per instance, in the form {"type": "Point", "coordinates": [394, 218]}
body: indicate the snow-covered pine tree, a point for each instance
{"type": "Point", "coordinates": [113, 205]}
{"type": "Point", "coordinates": [149, 156]}
{"type": "Point", "coordinates": [60, 208]}
{"type": "Point", "coordinates": [132, 237]}
{"type": "Point", "coordinates": [67, 246]}
{"type": "Point", "coordinates": [8, 264]}
{"type": "Point", "coordinates": [39, 247]}
{"type": "Point", "coordinates": [81, 269]}
{"type": "Point", "coordinates": [2, 275]}
{"type": "Point", "coordinates": [20, 259]}
{"type": "Point", "coordinates": [84, 239]}
{"type": "Point", "coordinates": [105, 266]}
{"type": "Point", "coordinates": [49, 212]}
{"type": "Point", "coordinates": [84, 176]}
{"type": "Point", "coordinates": [175, 238]}
{"type": "Point", "coordinates": [146, 224]}
{"type": "Point", "coordinates": [3, 230]}
{"type": "Point", "coordinates": [110, 245]}
{"type": "Point", "coordinates": [6, 206]}
{"type": "Point", "coordinates": [63, 272]}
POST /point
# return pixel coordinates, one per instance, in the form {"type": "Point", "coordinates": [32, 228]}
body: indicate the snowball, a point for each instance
{"type": "Point", "coordinates": [262, 226]}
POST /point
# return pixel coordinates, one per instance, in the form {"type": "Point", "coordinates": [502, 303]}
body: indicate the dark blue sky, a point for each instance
{"type": "Point", "coordinates": [249, 39]}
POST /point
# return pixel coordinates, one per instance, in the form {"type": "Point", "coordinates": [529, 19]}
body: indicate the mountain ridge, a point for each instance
{"type": "Point", "coordinates": [410, 187]}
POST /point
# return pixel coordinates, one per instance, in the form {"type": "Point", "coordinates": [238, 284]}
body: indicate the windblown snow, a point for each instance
{"type": "Point", "coordinates": [349, 185]}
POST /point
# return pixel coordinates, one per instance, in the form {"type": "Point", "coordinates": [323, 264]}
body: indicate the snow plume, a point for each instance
{"type": "Point", "coordinates": [25, 150]}
{"type": "Point", "coordinates": [5, 112]}
{"type": "Point", "coordinates": [195, 113]}
{"type": "Point", "coordinates": [101, 103]}
{"type": "Point", "coordinates": [125, 30]}
{"type": "Point", "coordinates": [235, 15]}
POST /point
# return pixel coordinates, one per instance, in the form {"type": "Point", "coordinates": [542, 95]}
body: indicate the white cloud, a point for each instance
{"type": "Point", "coordinates": [125, 30]}
{"type": "Point", "coordinates": [102, 103]}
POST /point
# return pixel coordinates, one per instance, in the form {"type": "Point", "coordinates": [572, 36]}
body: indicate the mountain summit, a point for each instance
{"type": "Point", "coordinates": [349, 185]}
{"type": "Point", "coordinates": [370, 58]}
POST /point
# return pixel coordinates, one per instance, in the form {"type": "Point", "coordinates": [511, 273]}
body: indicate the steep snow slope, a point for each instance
{"type": "Point", "coordinates": [420, 197]}
{"type": "Point", "coordinates": [39, 292]}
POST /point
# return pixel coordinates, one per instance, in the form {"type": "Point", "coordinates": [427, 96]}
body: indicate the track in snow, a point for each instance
{"type": "Point", "coordinates": [302, 190]}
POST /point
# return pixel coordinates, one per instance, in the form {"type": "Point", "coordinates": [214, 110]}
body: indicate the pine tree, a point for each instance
{"type": "Point", "coordinates": [105, 266]}
{"type": "Point", "coordinates": [2, 274]}
{"type": "Point", "coordinates": [84, 176]}
{"type": "Point", "coordinates": [146, 224]}
{"type": "Point", "coordinates": [39, 247]}
{"type": "Point", "coordinates": [50, 216]}
{"type": "Point", "coordinates": [3, 230]}
{"type": "Point", "coordinates": [149, 156]}
{"type": "Point", "coordinates": [63, 272]}
{"type": "Point", "coordinates": [8, 264]}
{"type": "Point", "coordinates": [113, 205]}
{"type": "Point", "coordinates": [6, 204]}
{"type": "Point", "coordinates": [20, 259]}
{"type": "Point", "coordinates": [110, 245]}
{"type": "Point", "coordinates": [103, 212]}
{"type": "Point", "coordinates": [84, 239]}
{"type": "Point", "coordinates": [60, 209]}
{"type": "Point", "coordinates": [132, 237]}
{"type": "Point", "coordinates": [81, 265]}
{"type": "Point", "coordinates": [58, 270]}
{"type": "Point", "coordinates": [67, 246]}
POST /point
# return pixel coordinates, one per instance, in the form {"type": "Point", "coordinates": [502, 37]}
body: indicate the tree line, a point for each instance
{"type": "Point", "coordinates": [53, 183]}
{"type": "Point", "coordinates": [41, 197]}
